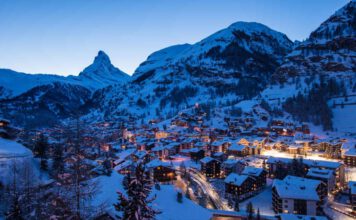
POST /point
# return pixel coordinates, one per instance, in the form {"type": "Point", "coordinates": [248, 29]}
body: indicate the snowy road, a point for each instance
{"type": "Point", "coordinates": [207, 188]}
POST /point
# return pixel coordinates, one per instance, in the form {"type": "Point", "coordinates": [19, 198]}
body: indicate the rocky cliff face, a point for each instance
{"type": "Point", "coordinates": [330, 49]}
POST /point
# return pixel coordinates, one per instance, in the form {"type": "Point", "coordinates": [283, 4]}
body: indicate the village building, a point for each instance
{"type": "Point", "coordinates": [258, 174]}
{"type": "Point", "coordinates": [325, 175]}
{"type": "Point", "coordinates": [162, 172]}
{"type": "Point", "coordinates": [350, 157]}
{"type": "Point", "coordinates": [352, 195]}
{"type": "Point", "coordinates": [279, 163]}
{"type": "Point", "coordinates": [219, 146]}
{"type": "Point", "coordinates": [238, 187]}
{"type": "Point", "coordinates": [331, 148]}
{"type": "Point", "coordinates": [232, 166]}
{"type": "Point", "coordinates": [246, 184]}
{"type": "Point", "coordinates": [298, 195]}
{"type": "Point", "coordinates": [210, 167]}
{"type": "Point", "coordinates": [238, 150]}
{"type": "Point", "coordinates": [220, 156]}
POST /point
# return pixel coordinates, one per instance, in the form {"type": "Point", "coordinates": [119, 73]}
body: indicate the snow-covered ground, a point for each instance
{"type": "Point", "coordinates": [344, 119]}
{"type": "Point", "coordinates": [263, 201]}
{"type": "Point", "coordinates": [14, 159]}
{"type": "Point", "coordinates": [166, 200]}
{"type": "Point", "coordinates": [11, 149]}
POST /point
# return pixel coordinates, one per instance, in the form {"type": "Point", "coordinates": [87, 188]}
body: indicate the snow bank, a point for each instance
{"type": "Point", "coordinates": [9, 149]}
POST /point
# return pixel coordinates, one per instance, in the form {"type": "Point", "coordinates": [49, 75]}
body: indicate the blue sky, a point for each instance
{"type": "Point", "coordinates": [63, 36]}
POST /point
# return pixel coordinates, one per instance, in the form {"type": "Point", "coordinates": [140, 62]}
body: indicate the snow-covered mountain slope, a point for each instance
{"type": "Point", "coordinates": [243, 63]}
{"type": "Point", "coordinates": [45, 105]}
{"type": "Point", "coordinates": [243, 47]}
{"type": "Point", "coordinates": [230, 65]}
{"type": "Point", "coordinates": [99, 74]}
{"type": "Point", "coordinates": [331, 48]}
{"type": "Point", "coordinates": [15, 83]}
{"type": "Point", "coordinates": [318, 76]}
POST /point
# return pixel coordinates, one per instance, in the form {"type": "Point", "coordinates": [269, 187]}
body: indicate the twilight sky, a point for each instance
{"type": "Point", "coordinates": [63, 36]}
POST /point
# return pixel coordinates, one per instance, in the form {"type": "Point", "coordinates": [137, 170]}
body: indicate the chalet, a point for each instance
{"type": "Point", "coordinates": [140, 156]}
{"type": "Point", "coordinates": [331, 149]}
{"type": "Point", "coordinates": [188, 143]}
{"type": "Point", "coordinates": [123, 155]}
{"type": "Point", "coordinates": [161, 171]}
{"type": "Point", "coordinates": [195, 154]}
{"type": "Point", "coordinates": [298, 195]}
{"type": "Point", "coordinates": [163, 150]}
{"type": "Point", "coordinates": [258, 174]}
{"type": "Point", "coordinates": [125, 167]}
{"type": "Point", "coordinates": [304, 140]}
{"type": "Point", "coordinates": [352, 195]}
{"type": "Point", "coordinates": [238, 187]}
{"type": "Point", "coordinates": [201, 145]}
{"type": "Point", "coordinates": [237, 150]}
{"type": "Point", "coordinates": [220, 156]}
{"type": "Point", "coordinates": [325, 175]}
{"type": "Point", "coordinates": [232, 166]}
{"type": "Point", "coordinates": [219, 146]}
{"type": "Point", "coordinates": [295, 149]}
{"type": "Point", "coordinates": [305, 128]}
{"type": "Point", "coordinates": [210, 167]}
{"type": "Point", "coordinates": [350, 157]}
{"type": "Point", "coordinates": [274, 163]}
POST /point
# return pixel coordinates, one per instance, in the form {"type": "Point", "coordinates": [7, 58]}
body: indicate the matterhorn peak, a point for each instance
{"type": "Point", "coordinates": [102, 57]}
{"type": "Point", "coordinates": [103, 72]}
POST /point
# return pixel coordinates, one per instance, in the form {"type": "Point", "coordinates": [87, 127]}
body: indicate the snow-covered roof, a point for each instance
{"type": "Point", "coordinates": [252, 171]}
{"type": "Point", "coordinates": [351, 152]}
{"type": "Point", "coordinates": [218, 154]}
{"type": "Point", "coordinates": [292, 187]}
{"type": "Point", "coordinates": [352, 186]}
{"type": "Point", "coordinates": [140, 154]}
{"type": "Point", "coordinates": [124, 154]}
{"type": "Point", "coordinates": [218, 143]}
{"type": "Point", "coordinates": [123, 165]}
{"type": "Point", "coordinates": [156, 163]}
{"type": "Point", "coordinates": [320, 173]}
{"type": "Point", "coordinates": [9, 149]}
{"type": "Point", "coordinates": [236, 147]}
{"type": "Point", "coordinates": [308, 162]}
{"type": "Point", "coordinates": [231, 162]}
{"type": "Point", "coordinates": [236, 179]}
{"type": "Point", "coordinates": [200, 144]}
{"type": "Point", "coordinates": [207, 159]}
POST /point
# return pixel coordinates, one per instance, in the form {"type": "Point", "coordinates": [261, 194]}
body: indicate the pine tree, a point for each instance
{"type": "Point", "coordinates": [58, 161]}
{"type": "Point", "coordinates": [135, 206]}
{"type": "Point", "coordinates": [79, 192]}
{"type": "Point", "coordinates": [258, 217]}
{"type": "Point", "coordinates": [107, 167]}
{"type": "Point", "coordinates": [237, 205]}
{"type": "Point", "coordinates": [15, 211]}
{"type": "Point", "coordinates": [41, 147]}
{"type": "Point", "coordinates": [250, 211]}
{"type": "Point", "coordinates": [180, 197]}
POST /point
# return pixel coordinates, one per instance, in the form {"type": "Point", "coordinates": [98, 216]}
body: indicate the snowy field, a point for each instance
{"type": "Point", "coordinates": [263, 201]}
{"type": "Point", "coordinates": [166, 200]}
{"type": "Point", "coordinates": [344, 119]}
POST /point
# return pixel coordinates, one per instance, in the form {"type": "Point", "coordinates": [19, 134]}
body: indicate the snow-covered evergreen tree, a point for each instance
{"type": "Point", "coordinates": [134, 205]}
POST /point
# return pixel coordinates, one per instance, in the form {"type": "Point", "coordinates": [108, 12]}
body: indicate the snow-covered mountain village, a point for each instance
{"type": "Point", "coordinates": [243, 124]}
